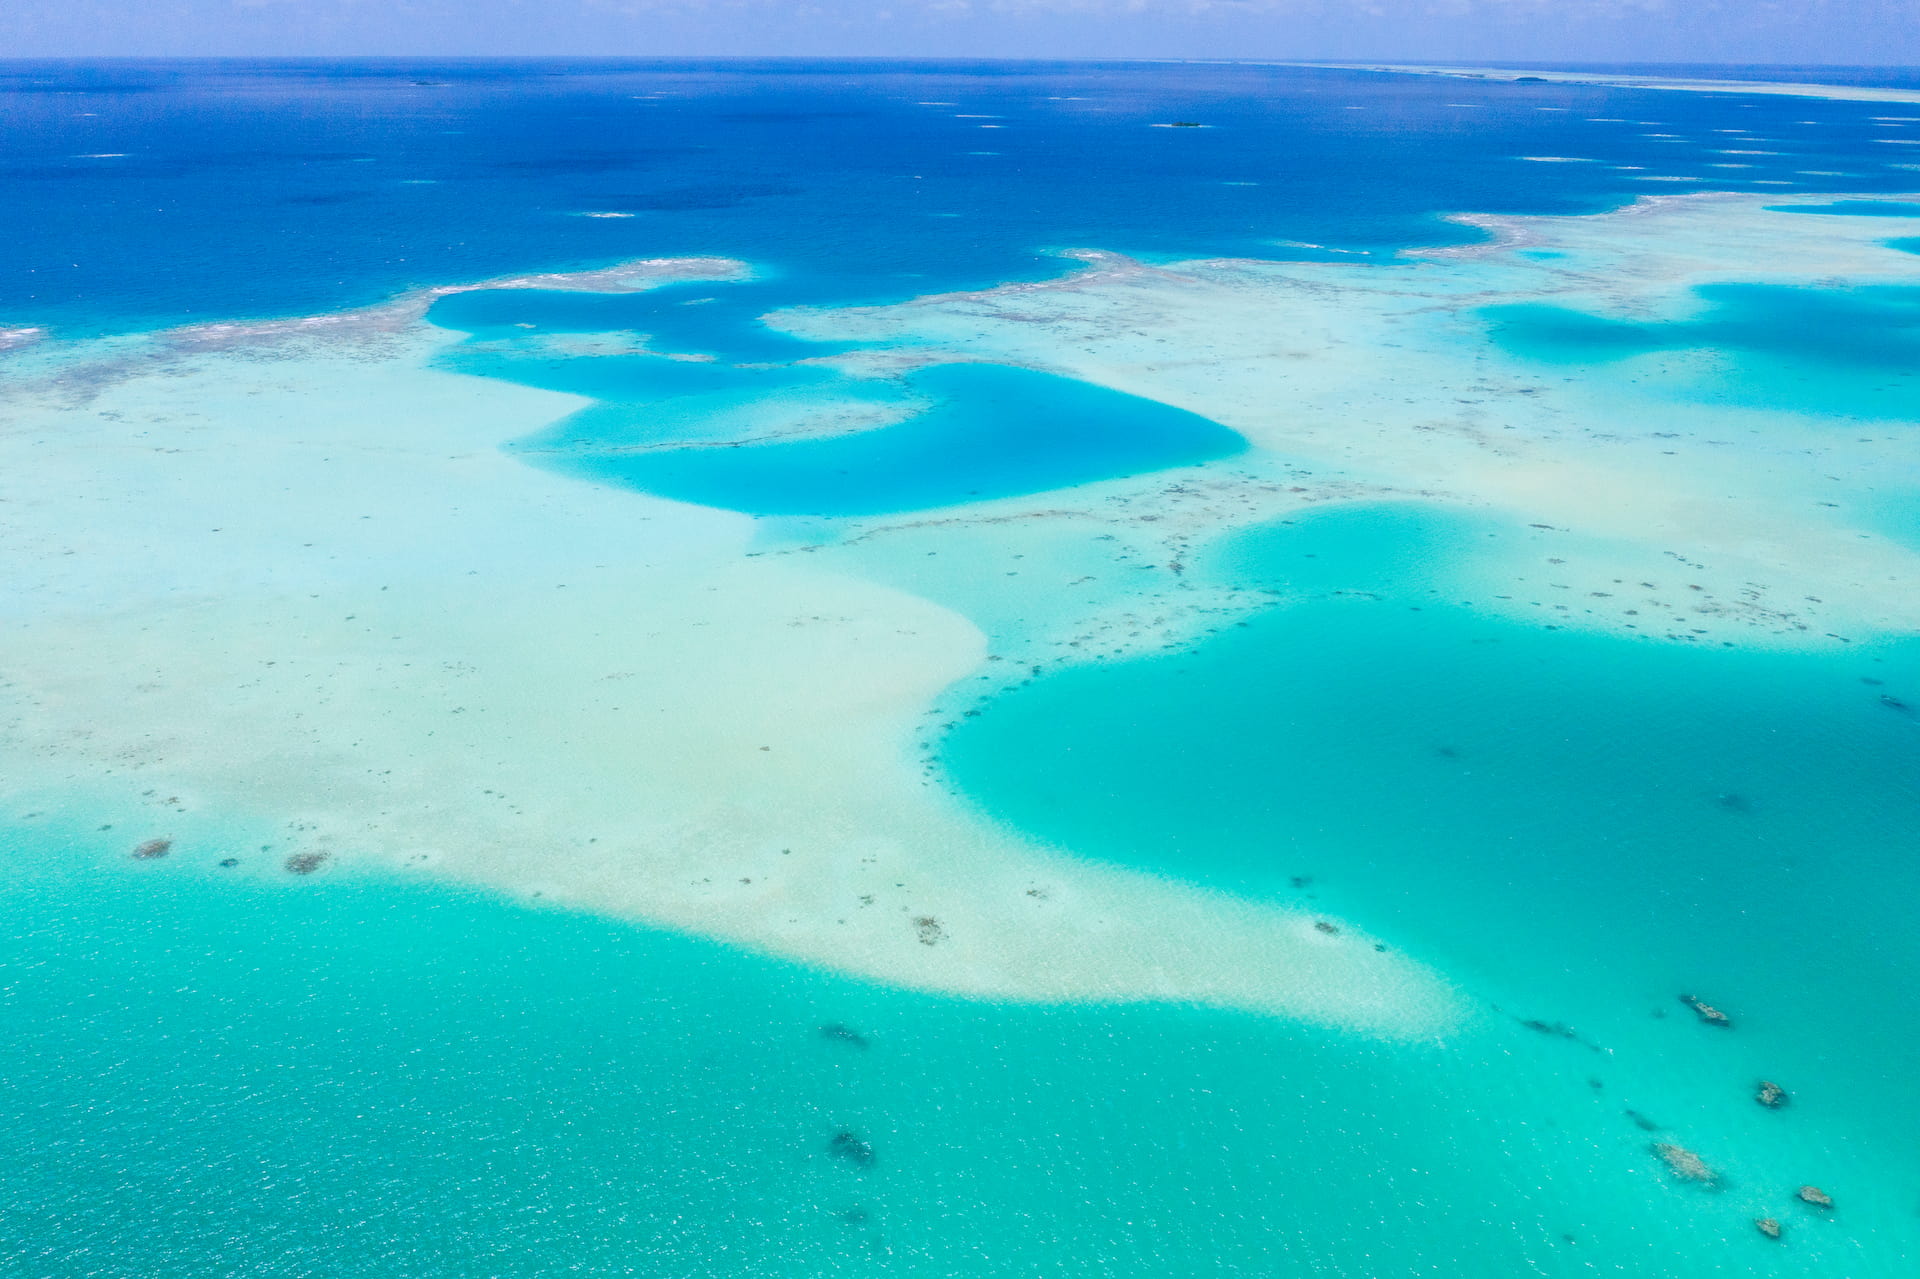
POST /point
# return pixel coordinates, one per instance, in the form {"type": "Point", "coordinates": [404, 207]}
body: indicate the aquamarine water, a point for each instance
{"type": "Point", "coordinates": [217, 1070]}
{"type": "Point", "coordinates": [1855, 208]}
{"type": "Point", "coordinates": [977, 432]}
{"type": "Point", "coordinates": [1396, 749]}
{"type": "Point", "coordinates": [1837, 354]}
{"type": "Point", "coordinates": [1584, 826]}
{"type": "Point", "coordinates": [231, 1074]}
{"type": "Point", "coordinates": [225, 1074]}
{"type": "Point", "coordinates": [967, 432]}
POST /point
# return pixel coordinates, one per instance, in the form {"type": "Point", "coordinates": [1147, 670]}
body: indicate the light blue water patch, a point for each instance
{"type": "Point", "coordinates": [989, 431]}
{"type": "Point", "coordinates": [1581, 828]}
{"type": "Point", "coordinates": [1377, 716]}
{"type": "Point", "coordinates": [1891, 512]}
{"type": "Point", "coordinates": [235, 1072]}
{"type": "Point", "coordinates": [1854, 208]}
{"type": "Point", "coordinates": [1390, 547]}
{"type": "Point", "coordinates": [1825, 352]}
{"type": "Point", "coordinates": [972, 432]}
{"type": "Point", "coordinates": [1908, 244]}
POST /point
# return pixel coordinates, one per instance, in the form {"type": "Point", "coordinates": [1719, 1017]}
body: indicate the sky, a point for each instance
{"type": "Point", "coordinates": [1874, 32]}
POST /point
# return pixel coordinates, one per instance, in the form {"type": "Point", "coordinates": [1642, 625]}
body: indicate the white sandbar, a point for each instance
{"type": "Point", "coordinates": [1772, 88]}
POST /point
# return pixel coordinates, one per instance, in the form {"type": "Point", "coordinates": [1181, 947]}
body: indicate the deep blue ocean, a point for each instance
{"type": "Point", "coordinates": [141, 193]}
{"type": "Point", "coordinates": [201, 1076]}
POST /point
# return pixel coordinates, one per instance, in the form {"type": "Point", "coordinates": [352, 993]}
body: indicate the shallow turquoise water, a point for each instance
{"type": "Point", "coordinates": [1419, 745]}
{"type": "Point", "coordinates": [980, 431]}
{"type": "Point", "coordinates": [960, 432]}
{"type": "Point", "coordinates": [1896, 514]}
{"type": "Point", "coordinates": [285, 1078]}
{"type": "Point", "coordinates": [1580, 828]}
{"type": "Point", "coordinates": [1829, 353]}
{"type": "Point", "coordinates": [1854, 208]}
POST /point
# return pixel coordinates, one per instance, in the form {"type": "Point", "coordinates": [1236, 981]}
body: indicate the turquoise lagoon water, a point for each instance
{"type": "Point", "coordinates": [216, 1071]}
{"type": "Point", "coordinates": [983, 431]}
{"type": "Point", "coordinates": [1583, 827]}
{"type": "Point", "coordinates": [1854, 208]}
{"type": "Point", "coordinates": [1832, 354]}
{"type": "Point", "coordinates": [237, 1075]}
{"type": "Point", "coordinates": [968, 432]}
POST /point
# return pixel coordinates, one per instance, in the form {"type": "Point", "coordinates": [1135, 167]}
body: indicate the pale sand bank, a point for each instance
{"type": "Point", "coordinates": [1771, 88]}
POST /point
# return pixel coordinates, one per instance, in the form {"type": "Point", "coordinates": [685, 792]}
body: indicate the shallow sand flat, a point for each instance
{"type": "Point", "coordinates": [301, 585]}
{"type": "Point", "coordinates": [1772, 88]}
{"type": "Point", "coordinates": [1702, 520]}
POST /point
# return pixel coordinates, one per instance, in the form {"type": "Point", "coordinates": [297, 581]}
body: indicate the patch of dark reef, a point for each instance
{"type": "Point", "coordinates": [1687, 1166]}
{"type": "Point", "coordinates": [1559, 1030]}
{"type": "Point", "coordinates": [1814, 1197]}
{"type": "Point", "coordinates": [1707, 1013]}
{"type": "Point", "coordinates": [839, 1034]}
{"type": "Point", "coordinates": [852, 1147]}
